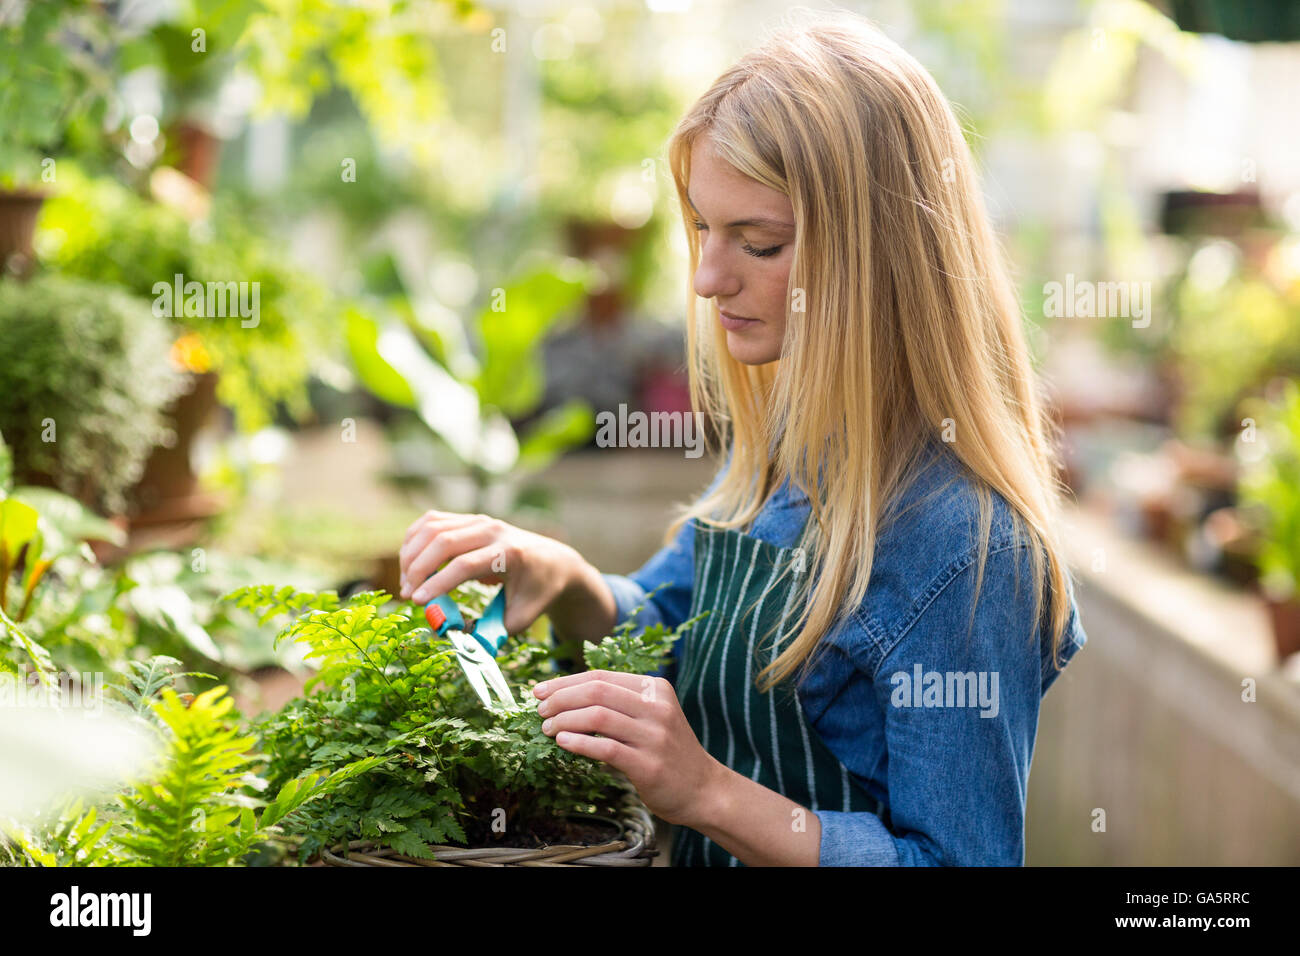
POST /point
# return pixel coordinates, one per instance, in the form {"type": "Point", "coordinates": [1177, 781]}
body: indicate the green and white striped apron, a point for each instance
{"type": "Point", "coordinates": [749, 587]}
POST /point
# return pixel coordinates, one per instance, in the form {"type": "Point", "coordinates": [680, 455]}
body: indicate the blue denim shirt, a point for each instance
{"type": "Point", "coordinates": [953, 777]}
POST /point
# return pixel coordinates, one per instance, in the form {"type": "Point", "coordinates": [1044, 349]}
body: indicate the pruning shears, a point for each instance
{"type": "Point", "coordinates": [476, 647]}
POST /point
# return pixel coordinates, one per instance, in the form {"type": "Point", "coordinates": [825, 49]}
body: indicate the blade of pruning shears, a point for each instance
{"type": "Point", "coordinates": [476, 648]}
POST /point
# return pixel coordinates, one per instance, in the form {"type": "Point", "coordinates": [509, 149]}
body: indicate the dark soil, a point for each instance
{"type": "Point", "coordinates": [541, 833]}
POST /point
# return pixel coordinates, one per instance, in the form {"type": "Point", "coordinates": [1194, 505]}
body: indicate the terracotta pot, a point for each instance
{"type": "Point", "coordinates": [168, 490]}
{"type": "Point", "coordinates": [1285, 618]}
{"type": "Point", "coordinates": [18, 212]}
{"type": "Point", "coordinates": [199, 150]}
{"type": "Point", "coordinates": [387, 573]}
{"type": "Point", "coordinates": [106, 552]}
{"type": "Point", "coordinates": [1157, 520]}
{"type": "Point", "coordinates": [607, 243]}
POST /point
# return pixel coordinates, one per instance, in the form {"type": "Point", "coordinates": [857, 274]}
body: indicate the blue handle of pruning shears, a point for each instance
{"type": "Point", "coordinates": [490, 631]}
{"type": "Point", "coordinates": [443, 615]}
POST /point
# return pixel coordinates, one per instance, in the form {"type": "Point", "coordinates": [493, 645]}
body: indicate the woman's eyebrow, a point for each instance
{"type": "Point", "coordinates": [756, 221]}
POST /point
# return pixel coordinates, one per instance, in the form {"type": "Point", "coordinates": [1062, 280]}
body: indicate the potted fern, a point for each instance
{"type": "Point", "coordinates": [1270, 493]}
{"type": "Point", "coordinates": [458, 784]}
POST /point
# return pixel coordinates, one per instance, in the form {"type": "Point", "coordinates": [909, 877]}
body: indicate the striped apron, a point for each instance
{"type": "Point", "coordinates": [749, 588]}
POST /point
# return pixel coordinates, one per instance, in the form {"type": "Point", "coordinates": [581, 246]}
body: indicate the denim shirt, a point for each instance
{"type": "Point", "coordinates": [933, 710]}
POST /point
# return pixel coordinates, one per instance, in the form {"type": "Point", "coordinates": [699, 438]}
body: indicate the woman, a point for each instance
{"type": "Point", "coordinates": [887, 598]}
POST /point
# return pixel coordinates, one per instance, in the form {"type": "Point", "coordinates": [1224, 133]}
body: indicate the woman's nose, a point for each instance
{"type": "Point", "coordinates": [712, 277]}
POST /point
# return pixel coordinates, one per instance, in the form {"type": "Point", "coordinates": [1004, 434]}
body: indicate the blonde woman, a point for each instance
{"type": "Point", "coordinates": [878, 556]}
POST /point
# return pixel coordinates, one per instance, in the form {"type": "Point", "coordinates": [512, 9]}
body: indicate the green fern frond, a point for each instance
{"type": "Point", "coordinates": [642, 653]}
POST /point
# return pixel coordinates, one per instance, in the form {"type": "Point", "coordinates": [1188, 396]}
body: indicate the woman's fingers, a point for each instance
{"type": "Point", "coordinates": [600, 720]}
{"type": "Point", "coordinates": [468, 566]}
{"type": "Point", "coordinates": [428, 530]}
{"type": "Point", "coordinates": [628, 698]}
{"type": "Point", "coordinates": [442, 547]}
{"type": "Point", "coordinates": [639, 682]}
{"type": "Point", "coordinates": [420, 540]}
{"type": "Point", "coordinates": [605, 749]}
{"type": "Point", "coordinates": [427, 517]}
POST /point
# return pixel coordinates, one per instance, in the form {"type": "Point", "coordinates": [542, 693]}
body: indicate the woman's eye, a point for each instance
{"type": "Point", "coordinates": [758, 253]}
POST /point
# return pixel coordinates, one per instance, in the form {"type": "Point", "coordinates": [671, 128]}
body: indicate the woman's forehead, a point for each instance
{"type": "Point", "coordinates": [717, 185]}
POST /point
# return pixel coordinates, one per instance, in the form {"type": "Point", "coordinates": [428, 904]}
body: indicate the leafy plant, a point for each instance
{"type": "Point", "coordinates": [39, 527]}
{"type": "Point", "coordinates": [198, 808]}
{"type": "Point", "coordinates": [63, 612]}
{"type": "Point", "coordinates": [192, 77]}
{"type": "Point", "coordinates": [67, 614]}
{"type": "Point", "coordinates": [1228, 341]}
{"type": "Point", "coordinates": [387, 687]}
{"type": "Point", "coordinates": [467, 398]}
{"type": "Point", "coordinates": [97, 228]}
{"type": "Point", "coordinates": [85, 379]}
{"type": "Point", "coordinates": [641, 653]}
{"type": "Point", "coordinates": [145, 680]}
{"type": "Point", "coordinates": [52, 88]}
{"type": "Point", "coordinates": [1270, 491]}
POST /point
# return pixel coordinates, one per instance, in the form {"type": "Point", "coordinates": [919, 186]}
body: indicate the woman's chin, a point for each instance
{"type": "Point", "coordinates": [749, 349]}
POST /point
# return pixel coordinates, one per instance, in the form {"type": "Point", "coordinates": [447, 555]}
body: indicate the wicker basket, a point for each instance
{"type": "Point", "coordinates": [634, 846]}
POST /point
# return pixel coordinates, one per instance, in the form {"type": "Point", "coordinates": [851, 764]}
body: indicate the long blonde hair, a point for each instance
{"type": "Point", "coordinates": [901, 319]}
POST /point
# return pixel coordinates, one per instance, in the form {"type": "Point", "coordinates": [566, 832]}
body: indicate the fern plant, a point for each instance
{"type": "Point", "coordinates": [198, 807]}
{"type": "Point", "coordinates": [454, 772]}
{"type": "Point", "coordinates": [144, 682]}
{"type": "Point", "coordinates": [640, 653]}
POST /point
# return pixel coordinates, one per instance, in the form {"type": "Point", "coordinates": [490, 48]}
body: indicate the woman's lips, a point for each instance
{"type": "Point", "coordinates": [735, 323]}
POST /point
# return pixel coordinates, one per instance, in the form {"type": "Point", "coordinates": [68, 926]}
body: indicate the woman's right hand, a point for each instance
{"type": "Point", "coordinates": [540, 573]}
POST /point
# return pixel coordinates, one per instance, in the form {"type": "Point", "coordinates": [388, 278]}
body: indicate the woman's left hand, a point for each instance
{"type": "Point", "coordinates": [643, 733]}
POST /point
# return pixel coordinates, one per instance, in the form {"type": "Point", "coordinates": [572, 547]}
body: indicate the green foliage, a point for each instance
{"type": "Point", "coordinates": [190, 76]}
{"type": "Point", "coordinates": [1227, 342]}
{"type": "Point", "coordinates": [393, 747]}
{"type": "Point", "coordinates": [63, 612]}
{"type": "Point", "coordinates": [641, 653]}
{"type": "Point", "coordinates": [17, 650]}
{"type": "Point", "coordinates": [145, 680]}
{"type": "Point", "coordinates": [467, 398]}
{"type": "Point", "coordinates": [73, 840]}
{"type": "Point", "coordinates": [198, 807]}
{"type": "Point", "coordinates": [97, 228]}
{"type": "Point", "coordinates": [387, 687]}
{"type": "Point", "coordinates": [38, 526]}
{"type": "Point", "coordinates": [511, 329]}
{"type": "Point", "coordinates": [192, 814]}
{"type": "Point", "coordinates": [1270, 491]}
{"type": "Point", "coordinates": [51, 82]}
{"type": "Point", "coordinates": [88, 361]}
{"type": "Point", "coordinates": [300, 49]}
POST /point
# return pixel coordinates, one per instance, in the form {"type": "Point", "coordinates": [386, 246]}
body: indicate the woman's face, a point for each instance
{"type": "Point", "coordinates": [746, 247]}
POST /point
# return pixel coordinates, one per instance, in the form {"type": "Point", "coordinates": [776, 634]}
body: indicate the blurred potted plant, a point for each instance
{"type": "Point", "coordinates": [85, 378]}
{"type": "Point", "coordinates": [196, 48]}
{"type": "Point", "coordinates": [99, 229]}
{"type": "Point", "coordinates": [252, 365]}
{"type": "Point", "coordinates": [1230, 338]}
{"type": "Point", "coordinates": [51, 87]}
{"type": "Point", "coordinates": [1270, 493]}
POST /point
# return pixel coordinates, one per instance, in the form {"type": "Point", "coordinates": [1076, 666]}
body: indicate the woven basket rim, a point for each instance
{"type": "Point", "coordinates": [634, 845]}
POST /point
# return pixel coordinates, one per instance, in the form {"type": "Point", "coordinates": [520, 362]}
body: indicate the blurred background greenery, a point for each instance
{"type": "Point", "coordinates": [463, 236]}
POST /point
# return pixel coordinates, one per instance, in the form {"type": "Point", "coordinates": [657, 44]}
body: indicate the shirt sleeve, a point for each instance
{"type": "Point", "coordinates": [957, 765]}
{"type": "Point", "coordinates": [672, 571]}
